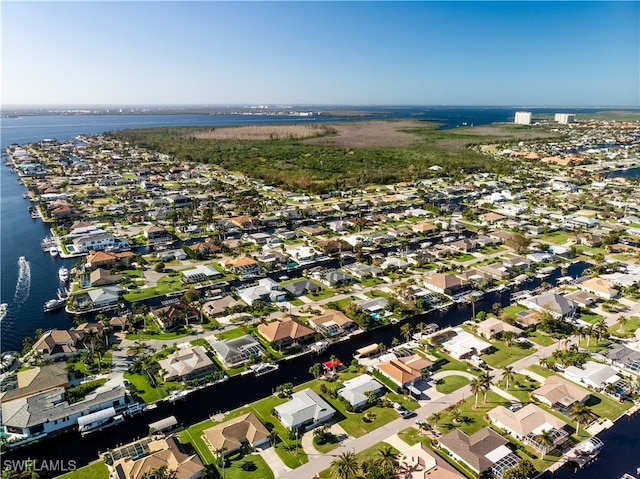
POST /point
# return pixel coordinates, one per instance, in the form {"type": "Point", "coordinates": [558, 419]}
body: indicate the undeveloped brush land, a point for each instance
{"type": "Point", "coordinates": [263, 132]}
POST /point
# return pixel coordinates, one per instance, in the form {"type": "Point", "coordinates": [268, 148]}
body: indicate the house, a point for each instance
{"type": "Point", "coordinates": [199, 274]}
{"type": "Point", "coordinates": [59, 343]}
{"type": "Point", "coordinates": [172, 315]}
{"type": "Point", "coordinates": [394, 264]}
{"type": "Point", "coordinates": [233, 352]}
{"type": "Point", "coordinates": [623, 357]}
{"type": "Point", "coordinates": [102, 277]}
{"type": "Point", "coordinates": [302, 287]}
{"type": "Point", "coordinates": [38, 415]}
{"type": "Point", "coordinates": [600, 287]}
{"type": "Point", "coordinates": [331, 323]}
{"type": "Point", "coordinates": [419, 462]}
{"type": "Point", "coordinates": [464, 345]}
{"type": "Point", "coordinates": [529, 422]}
{"type": "Point", "coordinates": [186, 364]}
{"type": "Point", "coordinates": [494, 327]}
{"type": "Point", "coordinates": [243, 266]}
{"type": "Point", "coordinates": [100, 242]}
{"type": "Point", "coordinates": [157, 234]}
{"type": "Point", "coordinates": [447, 284]}
{"type": "Point", "coordinates": [363, 271]}
{"type": "Point", "coordinates": [245, 222]}
{"type": "Point", "coordinates": [37, 380]}
{"type": "Point", "coordinates": [556, 305]}
{"type": "Point", "coordinates": [265, 289]}
{"type": "Point", "coordinates": [355, 390]}
{"type": "Point", "coordinates": [206, 248]}
{"type": "Point", "coordinates": [560, 394]}
{"type": "Point", "coordinates": [305, 410]}
{"type": "Point", "coordinates": [373, 305]}
{"type": "Point", "coordinates": [282, 333]}
{"type": "Point", "coordinates": [332, 278]}
{"type": "Point", "coordinates": [593, 375]}
{"type": "Point", "coordinates": [154, 454]}
{"type": "Point", "coordinates": [463, 246]}
{"type": "Point", "coordinates": [108, 259]}
{"type": "Point", "coordinates": [233, 434]}
{"type": "Point", "coordinates": [403, 371]}
{"type": "Point", "coordinates": [217, 307]}
{"type": "Point", "coordinates": [424, 228]}
{"type": "Point", "coordinates": [485, 450]}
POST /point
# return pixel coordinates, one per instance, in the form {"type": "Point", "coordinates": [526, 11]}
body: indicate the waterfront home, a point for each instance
{"type": "Point", "coordinates": [219, 306]}
{"type": "Point", "coordinates": [103, 277]}
{"type": "Point", "coordinates": [108, 259]}
{"type": "Point", "coordinates": [284, 332]}
{"type": "Point", "coordinates": [85, 244]}
{"type": "Point", "coordinates": [556, 305]}
{"type": "Point", "coordinates": [404, 371]}
{"type": "Point", "coordinates": [373, 305]}
{"type": "Point", "coordinates": [206, 248]}
{"type": "Point", "coordinates": [59, 343]}
{"type": "Point", "coordinates": [355, 390]}
{"type": "Point", "coordinates": [234, 352]}
{"type": "Point", "coordinates": [36, 380]}
{"type": "Point", "coordinates": [244, 266]}
{"type": "Point", "coordinates": [560, 394]}
{"type": "Point", "coordinates": [485, 450]}
{"type": "Point", "coordinates": [528, 423]}
{"type": "Point", "coordinates": [447, 284]}
{"type": "Point", "coordinates": [266, 289]}
{"type": "Point", "coordinates": [493, 328]}
{"type": "Point", "coordinates": [600, 287]}
{"type": "Point", "coordinates": [301, 287]}
{"type": "Point", "coordinates": [464, 345]}
{"type": "Point", "coordinates": [230, 436]}
{"type": "Point", "coordinates": [363, 271]}
{"type": "Point", "coordinates": [200, 273]}
{"type": "Point", "coordinates": [186, 364]}
{"type": "Point", "coordinates": [245, 222]}
{"type": "Point", "coordinates": [332, 278]}
{"type": "Point", "coordinates": [419, 462]}
{"type": "Point", "coordinates": [305, 410]}
{"type": "Point", "coordinates": [331, 323]}
{"type": "Point", "coordinates": [594, 375]}
{"type": "Point", "coordinates": [35, 416]}
{"type": "Point", "coordinates": [152, 455]}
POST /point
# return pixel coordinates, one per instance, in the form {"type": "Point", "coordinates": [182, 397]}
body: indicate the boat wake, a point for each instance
{"type": "Point", "coordinates": [23, 286]}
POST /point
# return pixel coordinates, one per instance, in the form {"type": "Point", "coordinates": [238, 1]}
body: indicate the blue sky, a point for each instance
{"type": "Point", "coordinates": [414, 53]}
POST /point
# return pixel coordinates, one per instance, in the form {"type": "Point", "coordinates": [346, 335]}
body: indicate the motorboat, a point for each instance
{"type": "Point", "coordinates": [63, 274]}
{"type": "Point", "coordinates": [54, 304]}
{"type": "Point", "coordinates": [3, 310]}
{"type": "Point", "coordinates": [54, 252]}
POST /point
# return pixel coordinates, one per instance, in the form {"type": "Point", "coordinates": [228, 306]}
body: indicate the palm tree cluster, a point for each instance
{"type": "Point", "coordinates": [480, 384]}
{"type": "Point", "coordinates": [384, 465]}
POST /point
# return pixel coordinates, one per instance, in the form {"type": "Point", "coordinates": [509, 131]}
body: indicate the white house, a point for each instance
{"type": "Point", "coordinates": [305, 409]}
{"type": "Point", "coordinates": [354, 390]}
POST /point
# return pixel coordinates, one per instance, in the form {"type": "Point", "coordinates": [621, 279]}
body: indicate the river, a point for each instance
{"type": "Point", "coordinates": [26, 291]}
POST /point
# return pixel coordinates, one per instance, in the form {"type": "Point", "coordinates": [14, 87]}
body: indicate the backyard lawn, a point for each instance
{"type": "Point", "coordinates": [97, 470]}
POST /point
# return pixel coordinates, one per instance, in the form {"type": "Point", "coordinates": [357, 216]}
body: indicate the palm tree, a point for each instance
{"type": "Point", "coordinates": [316, 369]}
{"type": "Point", "coordinates": [622, 320]}
{"type": "Point", "coordinates": [507, 375]}
{"type": "Point", "coordinates": [345, 465]}
{"type": "Point", "coordinates": [388, 461]}
{"type": "Point", "coordinates": [405, 330]}
{"type": "Point", "coordinates": [545, 439]}
{"type": "Point", "coordinates": [456, 415]}
{"type": "Point", "coordinates": [486, 385]}
{"type": "Point", "coordinates": [589, 332]}
{"type": "Point", "coordinates": [476, 387]}
{"type": "Point", "coordinates": [581, 413]}
{"type": "Point", "coordinates": [334, 363]}
{"type": "Point", "coordinates": [601, 330]}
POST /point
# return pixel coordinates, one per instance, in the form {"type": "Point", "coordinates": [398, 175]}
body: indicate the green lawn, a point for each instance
{"type": "Point", "coordinates": [520, 387]}
{"type": "Point", "coordinates": [97, 470]}
{"type": "Point", "coordinates": [448, 363]}
{"type": "Point", "coordinates": [328, 446]}
{"type": "Point", "coordinates": [628, 329]}
{"type": "Point", "coordinates": [541, 339]}
{"type": "Point", "coordinates": [512, 310]}
{"type": "Point", "coordinates": [605, 406]}
{"type": "Point", "coordinates": [144, 390]}
{"type": "Point", "coordinates": [449, 384]}
{"type": "Point", "coordinates": [542, 371]}
{"type": "Point", "coordinates": [591, 318]}
{"type": "Point", "coordinates": [556, 237]}
{"type": "Point", "coordinates": [503, 355]}
{"type": "Point", "coordinates": [361, 456]}
{"type": "Point", "coordinates": [472, 420]}
{"type": "Point", "coordinates": [234, 468]}
{"type": "Point", "coordinates": [155, 333]}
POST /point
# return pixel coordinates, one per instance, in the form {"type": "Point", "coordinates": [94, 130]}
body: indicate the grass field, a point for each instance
{"type": "Point", "coordinates": [97, 470]}
{"type": "Point", "coordinates": [449, 384]}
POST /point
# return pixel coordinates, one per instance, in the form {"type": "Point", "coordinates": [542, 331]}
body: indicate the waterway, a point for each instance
{"type": "Point", "coordinates": [26, 290]}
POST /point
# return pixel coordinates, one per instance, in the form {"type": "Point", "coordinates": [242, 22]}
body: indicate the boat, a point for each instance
{"type": "Point", "coordinates": [54, 252]}
{"type": "Point", "coordinates": [54, 304]}
{"type": "Point", "coordinates": [98, 421]}
{"type": "Point", "coordinates": [47, 243]}
{"type": "Point", "coordinates": [63, 274]}
{"type": "Point", "coordinates": [177, 396]}
{"type": "Point", "coordinates": [3, 310]}
{"type": "Point", "coordinates": [6, 360]}
{"type": "Point", "coordinates": [22, 261]}
{"type": "Point", "coordinates": [264, 368]}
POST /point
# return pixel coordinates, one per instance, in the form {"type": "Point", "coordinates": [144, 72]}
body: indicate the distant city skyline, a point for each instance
{"type": "Point", "coordinates": [565, 54]}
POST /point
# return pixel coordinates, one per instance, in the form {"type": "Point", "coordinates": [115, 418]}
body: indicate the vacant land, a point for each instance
{"type": "Point", "coordinates": [263, 132]}
{"type": "Point", "coordinates": [370, 134]}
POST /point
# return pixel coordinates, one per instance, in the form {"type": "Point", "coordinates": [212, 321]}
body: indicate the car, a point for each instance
{"type": "Point", "coordinates": [406, 414]}
{"type": "Point", "coordinates": [420, 422]}
{"type": "Point", "coordinates": [397, 406]}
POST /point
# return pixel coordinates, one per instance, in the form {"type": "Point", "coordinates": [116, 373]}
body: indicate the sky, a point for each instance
{"type": "Point", "coordinates": [525, 53]}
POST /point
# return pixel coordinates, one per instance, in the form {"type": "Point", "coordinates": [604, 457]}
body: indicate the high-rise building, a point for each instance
{"type": "Point", "coordinates": [523, 118]}
{"type": "Point", "coordinates": [565, 118]}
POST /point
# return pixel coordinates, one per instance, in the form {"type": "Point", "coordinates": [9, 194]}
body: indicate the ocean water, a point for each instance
{"type": "Point", "coordinates": [26, 289]}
